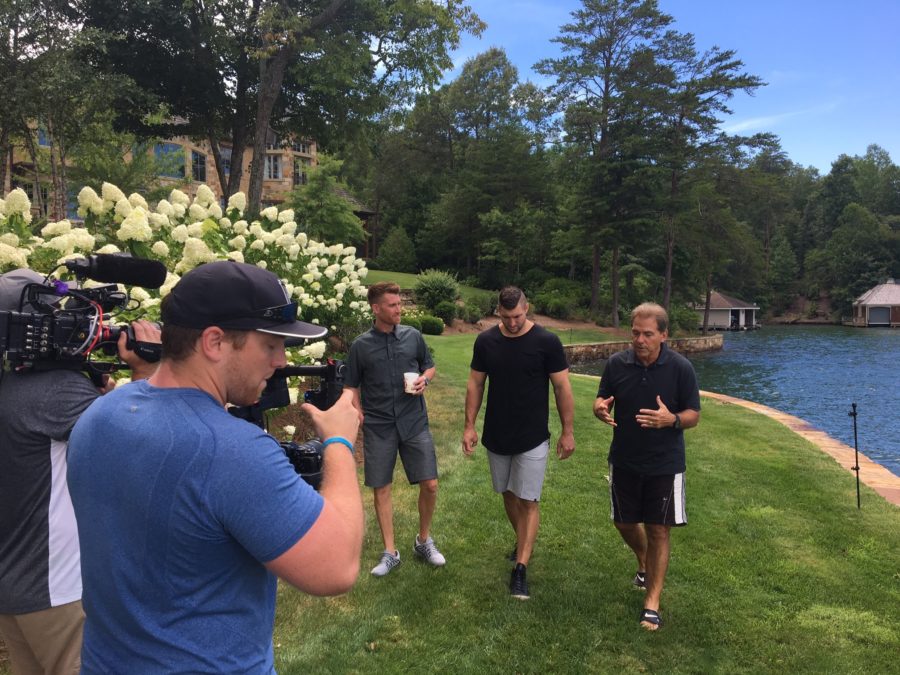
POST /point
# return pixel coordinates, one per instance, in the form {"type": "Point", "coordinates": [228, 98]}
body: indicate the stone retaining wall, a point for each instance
{"type": "Point", "coordinates": [588, 353]}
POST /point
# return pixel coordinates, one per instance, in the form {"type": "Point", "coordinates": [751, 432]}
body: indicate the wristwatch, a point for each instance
{"type": "Point", "coordinates": [677, 423]}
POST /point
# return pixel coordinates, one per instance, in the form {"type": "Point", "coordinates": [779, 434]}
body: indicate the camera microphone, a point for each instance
{"type": "Point", "coordinates": [113, 268]}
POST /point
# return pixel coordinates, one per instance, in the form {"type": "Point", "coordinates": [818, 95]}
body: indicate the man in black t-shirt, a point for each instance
{"type": "Point", "coordinates": [656, 397]}
{"type": "Point", "coordinates": [518, 359]}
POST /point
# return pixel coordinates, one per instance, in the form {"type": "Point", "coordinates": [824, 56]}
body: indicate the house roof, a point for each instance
{"type": "Point", "coordinates": [719, 300]}
{"type": "Point", "coordinates": [358, 207]}
{"type": "Point", "coordinates": [887, 293]}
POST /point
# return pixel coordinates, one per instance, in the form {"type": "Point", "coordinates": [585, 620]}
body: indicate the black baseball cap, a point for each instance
{"type": "Point", "coordinates": [235, 296]}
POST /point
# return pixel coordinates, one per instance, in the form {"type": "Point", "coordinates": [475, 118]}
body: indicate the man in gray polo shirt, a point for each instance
{"type": "Point", "coordinates": [395, 418]}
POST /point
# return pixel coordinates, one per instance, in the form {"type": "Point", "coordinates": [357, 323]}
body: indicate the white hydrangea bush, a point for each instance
{"type": "Point", "coordinates": [182, 232]}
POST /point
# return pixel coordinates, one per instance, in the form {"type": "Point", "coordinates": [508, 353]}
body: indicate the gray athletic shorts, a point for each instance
{"type": "Point", "coordinates": [380, 451]}
{"type": "Point", "coordinates": [521, 474]}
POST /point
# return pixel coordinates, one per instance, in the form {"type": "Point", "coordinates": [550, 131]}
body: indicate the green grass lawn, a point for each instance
{"type": "Point", "coordinates": [777, 571]}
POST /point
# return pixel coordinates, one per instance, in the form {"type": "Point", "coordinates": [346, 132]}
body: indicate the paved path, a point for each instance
{"type": "Point", "coordinates": [872, 474]}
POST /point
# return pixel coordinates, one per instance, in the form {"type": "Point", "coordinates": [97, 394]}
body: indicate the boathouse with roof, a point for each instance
{"type": "Point", "coordinates": [727, 312]}
{"type": "Point", "coordinates": [879, 306]}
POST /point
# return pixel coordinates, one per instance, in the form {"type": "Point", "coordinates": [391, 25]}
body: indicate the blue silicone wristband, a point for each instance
{"type": "Point", "coordinates": [339, 439]}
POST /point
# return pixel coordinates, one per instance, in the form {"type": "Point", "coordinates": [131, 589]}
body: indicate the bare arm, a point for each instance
{"type": "Point", "coordinates": [325, 561]}
{"type": "Point", "coordinates": [565, 405]}
{"type": "Point", "coordinates": [474, 397]}
{"type": "Point", "coordinates": [423, 380]}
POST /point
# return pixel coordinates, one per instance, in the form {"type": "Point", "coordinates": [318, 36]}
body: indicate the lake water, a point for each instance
{"type": "Point", "coordinates": [816, 373]}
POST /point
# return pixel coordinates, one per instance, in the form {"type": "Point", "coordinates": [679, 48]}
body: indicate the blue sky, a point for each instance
{"type": "Point", "coordinates": [832, 66]}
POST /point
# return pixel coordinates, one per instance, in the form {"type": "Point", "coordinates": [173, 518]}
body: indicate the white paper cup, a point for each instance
{"type": "Point", "coordinates": [409, 382]}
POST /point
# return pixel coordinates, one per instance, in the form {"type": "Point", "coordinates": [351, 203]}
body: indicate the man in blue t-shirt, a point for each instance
{"type": "Point", "coordinates": [187, 514]}
{"type": "Point", "coordinates": [518, 359]}
{"type": "Point", "coordinates": [655, 394]}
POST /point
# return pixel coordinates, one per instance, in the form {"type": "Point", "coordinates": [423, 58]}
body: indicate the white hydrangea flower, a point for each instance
{"type": "Point", "coordinates": [196, 252]}
{"type": "Point", "coordinates": [109, 248]}
{"type": "Point", "coordinates": [240, 227]}
{"type": "Point", "coordinates": [111, 193]}
{"type": "Point", "coordinates": [237, 256]}
{"type": "Point", "coordinates": [316, 286]}
{"type": "Point", "coordinates": [308, 277]}
{"type": "Point", "coordinates": [136, 200]}
{"type": "Point", "coordinates": [150, 302]}
{"type": "Point", "coordinates": [205, 197]}
{"type": "Point", "coordinates": [161, 249]}
{"type": "Point", "coordinates": [294, 394]}
{"type": "Point", "coordinates": [165, 208]}
{"type": "Point", "coordinates": [225, 223]}
{"type": "Point", "coordinates": [354, 304]}
{"type": "Point", "coordinates": [135, 226]}
{"type": "Point", "coordinates": [10, 239]}
{"type": "Point", "coordinates": [12, 257]}
{"type": "Point", "coordinates": [123, 209]}
{"type": "Point", "coordinates": [195, 230]}
{"type": "Point", "coordinates": [239, 243]}
{"type": "Point", "coordinates": [349, 250]}
{"type": "Point", "coordinates": [286, 216]}
{"type": "Point", "coordinates": [82, 239]}
{"type": "Point", "coordinates": [285, 241]}
{"type": "Point", "coordinates": [171, 280]}
{"type": "Point", "coordinates": [269, 213]}
{"type": "Point", "coordinates": [214, 210]}
{"type": "Point", "coordinates": [53, 229]}
{"type": "Point", "coordinates": [180, 233]}
{"type": "Point", "coordinates": [336, 249]}
{"type": "Point", "coordinates": [62, 243]}
{"type": "Point", "coordinates": [157, 220]}
{"type": "Point", "coordinates": [258, 245]}
{"type": "Point", "coordinates": [89, 202]}
{"type": "Point", "coordinates": [263, 264]}
{"type": "Point", "coordinates": [289, 228]}
{"type": "Point", "coordinates": [2, 207]}
{"type": "Point", "coordinates": [237, 201]}
{"type": "Point", "coordinates": [293, 251]}
{"type": "Point", "coordinates": [317, 349]}
{"type": "Point", "coordinates": [360, 262]}
{"type": "Point", "coordinates": [256, 229]}
{"type": "Point", "coordinates": [176, 196]}
{"type": "Point", "coordinates": [178, 211]}
{"type": "Point", "coordinates": [268, 238]}
{"type": "Point", "coordinates": [290, 430]}
{"type": "Point", "coordinates": [340, 288]}
{"type": "Point", "coordinates": [363, 271]}
{"type": "Point", "coordinates": [197, 212]}
{"type": "Point", "coordinates": [139, 294]}
{"type": "Point", "coordinates": [302, 239]}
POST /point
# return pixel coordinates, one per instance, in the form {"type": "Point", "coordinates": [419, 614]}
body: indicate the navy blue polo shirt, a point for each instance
{"type": "Point", "coordinates": [376, 365]}
{"type": "Point", "coordinates": [651, 452]}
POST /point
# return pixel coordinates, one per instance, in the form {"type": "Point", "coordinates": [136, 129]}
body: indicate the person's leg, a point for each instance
{"type": "Point", "coordinates": [511, 505]}
{"type": "Point", "coordinates": [48, 641]}
{"type": "Point", "coordinates": [427, 501]}
{"type": "Point", "coordinates": [526, 482]}
{"type": "Point", "coordinates": [658, 547]}
{"type": "Point", "coordinates": [529, 519]}
{"type": "Point", "coordinates": [384, 513]}
{"type": "Point", "coordinates": [635, 536]}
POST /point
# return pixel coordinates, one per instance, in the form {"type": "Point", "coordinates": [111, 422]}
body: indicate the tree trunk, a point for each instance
{"type": "Point", "coordinates": [614, 283]}
{"type": "Point", "coordinates": [37, 201]}
{"type": "Point", "coordinates": [595, 279]}
{"type": "Point", "coordinates": [708, 302]}
{"type": "Point", "coordinates": [5, 157]}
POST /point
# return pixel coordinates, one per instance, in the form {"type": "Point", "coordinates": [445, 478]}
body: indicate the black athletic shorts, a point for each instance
{"type": "Point", "coordinates": [635, 498]}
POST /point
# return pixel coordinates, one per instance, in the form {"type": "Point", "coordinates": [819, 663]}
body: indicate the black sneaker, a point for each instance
{"type": "Point", "coordinates": [518, 585]}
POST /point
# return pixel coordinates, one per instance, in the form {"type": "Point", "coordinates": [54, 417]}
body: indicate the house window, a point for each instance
{"type": "Point", "coordinates": [43, 138]}
{"type": "Point", "coordinates": [198, 166]}
{"type": "Point", "coordinates": [273, 167]}
{"type": "Point", "coordinates": [300, 175]}
{"type": "Point", "coordinates": [301, 147]}
{"type": "Point", "coordinates": [271, 140]}
{"type": "Point", "coordinates": [170, 157]}
{"type": "Point", "coordinates": [225, 155]}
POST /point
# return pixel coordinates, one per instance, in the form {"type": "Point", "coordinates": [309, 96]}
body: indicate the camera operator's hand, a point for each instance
{"type": "Point", "coordinates": [144, 331]}
{"type": "Point", "coordinates": [341, 419]}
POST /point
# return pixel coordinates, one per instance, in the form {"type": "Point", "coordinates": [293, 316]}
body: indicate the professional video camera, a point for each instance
{"type": "Point", "coordinates": [66, 325]}
{"type": "Point", "coordinates": [306, 458]}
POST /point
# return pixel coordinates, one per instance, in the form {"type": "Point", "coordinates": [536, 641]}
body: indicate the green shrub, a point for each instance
{"type": "Point", "coordinates": [446, 310]}
{"type": "Point", "coordinates": [431, 325]}
{"type": "Point", "coordinates": [435, 286]}
{"type": "Point", "coordinates": [413, 321]}
{"type": "Point", "coordinates": [682, 320]}
{"type": "Point", "coordinates": [397, 252]}
{"type": "Point", "coordinates": [561, 298]}
{"type": "Point", "coordinates": [471, 313]}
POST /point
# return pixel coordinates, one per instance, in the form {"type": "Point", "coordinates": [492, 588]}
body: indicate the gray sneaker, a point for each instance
{"type": "Point", "coordinates": [427, 551]}
{"type": "Point", "coordinates": [388, 562]}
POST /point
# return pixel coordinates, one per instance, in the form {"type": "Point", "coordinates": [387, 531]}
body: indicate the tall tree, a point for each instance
{"type": "Point", "coordinates": [231, 70]}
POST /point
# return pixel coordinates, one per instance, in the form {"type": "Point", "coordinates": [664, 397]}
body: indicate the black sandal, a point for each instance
{"type": "Point", "coordinates": [650, 616]}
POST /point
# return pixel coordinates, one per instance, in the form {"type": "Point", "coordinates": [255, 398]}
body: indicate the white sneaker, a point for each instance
{"type": "Point", "coordinates": [428, 552]}
{"type": "Point", "coordinates": [388, 562]}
